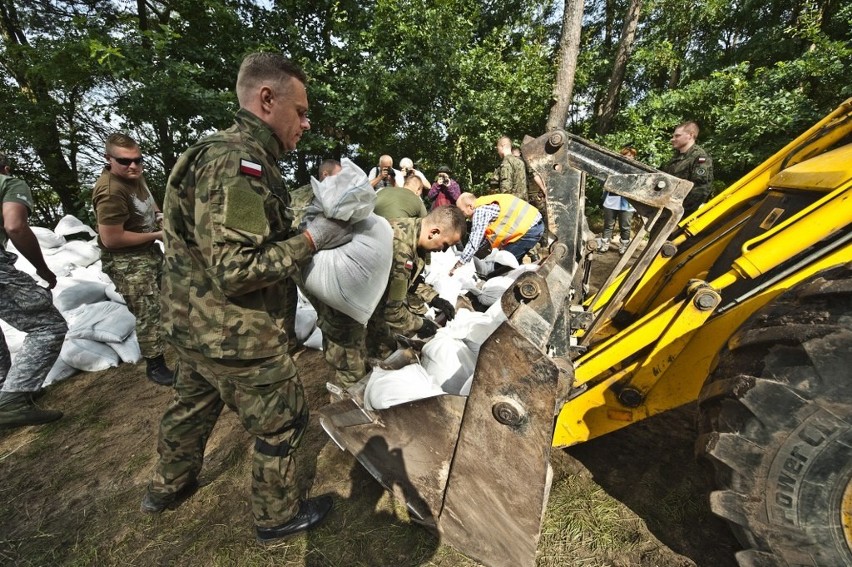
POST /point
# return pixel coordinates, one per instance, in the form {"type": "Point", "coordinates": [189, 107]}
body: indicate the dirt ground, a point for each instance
{"type": "Point", "coordinates": [70, 492]}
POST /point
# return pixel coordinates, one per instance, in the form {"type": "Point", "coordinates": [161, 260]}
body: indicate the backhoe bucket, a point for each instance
{"type": "Point", "coordinates": [475, 468]}
{"type": "Point", "coordinates": [478, 468]}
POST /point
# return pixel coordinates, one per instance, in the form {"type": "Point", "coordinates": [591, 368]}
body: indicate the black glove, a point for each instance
{"type": "Point", "coordinates": [328, 233]}
{"type": "Point", "coordinates": [428, 329]}
{"type": "Point", "coordinates": [444, 307]}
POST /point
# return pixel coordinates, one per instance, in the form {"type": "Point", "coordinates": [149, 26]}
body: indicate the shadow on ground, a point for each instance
{"type": "Point", "coordinates": [650, 467]}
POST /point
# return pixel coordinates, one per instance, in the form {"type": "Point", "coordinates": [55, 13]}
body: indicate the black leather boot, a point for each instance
{"type": "Point", "coordinates": [17, 410]}
{"type": "Point", "coordinates": [311, 512]}
{"type": "Point", "coordinates": [158, 372]}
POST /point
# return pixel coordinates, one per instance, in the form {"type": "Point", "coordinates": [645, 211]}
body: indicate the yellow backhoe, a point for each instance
{"type": "Point", "coordinates": [744, 306]}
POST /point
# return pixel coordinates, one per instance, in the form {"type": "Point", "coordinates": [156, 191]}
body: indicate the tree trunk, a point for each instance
{"type": "Point", "coordinates": [46, 140]}
{"type": "Point", "coordinates": [622, 56]}
{"type": "Point", "coordinates": [569, 49]}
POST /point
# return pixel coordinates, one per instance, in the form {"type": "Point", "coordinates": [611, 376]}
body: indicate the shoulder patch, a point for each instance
{"type": "Point", "coordinates": [700, 171]}
{"type": "Point", "coordinates": [409, 264]}
{"type": "Point", "coordinates": [251, 168]}
{"type": "Point", "coordinates": [701, 159]}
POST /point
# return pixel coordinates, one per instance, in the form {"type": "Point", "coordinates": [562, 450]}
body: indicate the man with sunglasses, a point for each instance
{"type": "Point", "coordinates": [128, 228]}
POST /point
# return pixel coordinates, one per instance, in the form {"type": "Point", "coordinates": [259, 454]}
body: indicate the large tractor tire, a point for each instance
{"type": "Point", "coordinates": [776, 422]}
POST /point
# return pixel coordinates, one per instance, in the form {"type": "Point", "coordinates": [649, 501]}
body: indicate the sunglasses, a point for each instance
{"type": "Point", "coordinates": [127, 161]}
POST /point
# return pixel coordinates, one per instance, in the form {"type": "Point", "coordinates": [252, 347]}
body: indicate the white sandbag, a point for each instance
{"type": "Point", "coordinates": [483, 327]}
{"type": "Point", "coordinates": [128, 351]}
{"type": "Point", "coordinates": [306, 319]}
{"type": "Point", "coordinates": [60, 371]}
{"type": "Point", "coordinates": [80, 293]}
{"type": "Point", "coordinates": [113, 295]}
{"type": "Point", "coordinates": [346, 196]}
{"type": "Point", "coordinates": [487, 265]}
{"type": "Point", "coordinates": [493, 289]}
{"type": "Point", "coordinates": [14, 337]}
{"type": "Point", "coordinates": [387, 388]}
{"type": "Point", "coordinates": [437, 274]}
{"type": "Point", "coordinates": [80, 253]}
{"type": "Point", "coordinates": [315, 340]}
{"type": "Point", "coordinates": [105, 322]}
{"type": "Point", "coordinates": [70, 225]}
{"type": "Point", "coordinates": [352, 278]}
{"type": "Point", "coordinates": [47, 239]}
{"type": "Point", "coordinates": [448, 361]}
{"type": "Point", "coordinates": [91, 356]}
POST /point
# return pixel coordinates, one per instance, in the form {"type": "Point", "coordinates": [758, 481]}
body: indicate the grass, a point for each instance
{"type": "Point", "coordinates": [71, 492]}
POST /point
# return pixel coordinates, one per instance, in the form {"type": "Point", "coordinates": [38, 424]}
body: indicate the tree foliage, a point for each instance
{"type": "Point", "coordinates": [435, 81]}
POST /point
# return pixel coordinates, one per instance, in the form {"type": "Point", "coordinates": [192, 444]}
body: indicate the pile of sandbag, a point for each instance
{"type": "Point", "coordinates": [101, 330]}
{"type": "Point", "coordinates": [448, 359]}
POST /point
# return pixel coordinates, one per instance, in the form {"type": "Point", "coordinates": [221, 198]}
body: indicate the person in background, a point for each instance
{"type": "Point", "coordinates": [401, 202]}
{"type": "Point", "coordinates": [128, 231]}
{"type": "Point", "coordinates": [27, 307]}
{"type": "Point", "coordinates": [408, 170]}
{"type": "Point", "coordinates": [691, 162]}
{"type": "Point", "coordinates": [230, 256]}
{"type": "Point", "coordinates": [510, 177]}
{"type": "Point", "coordinates": [384, 175]}
{"type": "Point", "coordinates": [445, 190]}
{"type": "Point", "coordinates": [617, 208]}
{"type": "Point", "coordinates": [413, 241]}
{"type": "Point", "coordinates": [499, 221]}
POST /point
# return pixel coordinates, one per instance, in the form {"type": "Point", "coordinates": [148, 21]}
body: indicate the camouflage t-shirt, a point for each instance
{"type": "Point", "coordinates": [119, 201]}
{"type": "Point", "coordinates": [13, 190]}
{"type": "Point", "coordinates": [229, 255]}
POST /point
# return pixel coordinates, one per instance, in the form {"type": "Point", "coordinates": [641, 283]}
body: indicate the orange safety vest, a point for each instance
{"type": "Point", "coordinates": [513, 221]}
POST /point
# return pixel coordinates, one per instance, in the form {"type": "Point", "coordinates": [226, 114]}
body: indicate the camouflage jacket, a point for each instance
{"type": "Point", "coordinates": [511, 176]}
{"type": "Point", "coordinates": [408, 263]}
{"type": "Point", "coordinates": [695, 165]}
{"type": "Point", "coordinates": [228, 256]}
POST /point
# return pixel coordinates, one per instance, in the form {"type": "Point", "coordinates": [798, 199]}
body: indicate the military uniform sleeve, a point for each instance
{"type": "Point", "coordinates": [242, 251]}
{"type": "Point", "coordinates": [504, 175]}
{"type": "Point", "coordinates": [398, 317]}
{"type": "Point", "coordinates": [701, 174]}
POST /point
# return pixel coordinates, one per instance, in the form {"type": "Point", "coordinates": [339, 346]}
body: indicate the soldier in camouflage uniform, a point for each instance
{"type": "Point", "coordinates": [510, 177]}
{"type": "Point", "coordinates": [26, 306]}
{"type": "Point", "coordinates": [128, 231]}
{"type": "Point", "coordinates": [230, 254]}
{"type": "Point", "coordinates": [342, 336]}
{"type": "Point", "coordinates": [413, 240]}
{"type": "Point", "coordinates": [693, 163]}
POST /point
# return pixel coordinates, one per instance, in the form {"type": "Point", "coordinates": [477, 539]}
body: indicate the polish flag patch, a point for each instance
{"type": "Point", "coordinates": [251, 168]}
{"type": "Point", "coordinates": [409, 264]}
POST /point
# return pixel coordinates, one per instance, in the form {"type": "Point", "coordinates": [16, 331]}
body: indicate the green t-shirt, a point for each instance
{"type": "Point", "coordinates": [399, 203]}
{"type": "Point", "coordinates": [13, 190]}
{"type": "Point", "coordinates": [119, 201]}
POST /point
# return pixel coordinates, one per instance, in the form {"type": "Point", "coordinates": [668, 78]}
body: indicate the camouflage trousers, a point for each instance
{"type": "Point", "coordinates": [267, 396]}
{"type": "Point", "coordinates": [343, 343]}
{"type": "Point", "coordinates": [27, 307]}
{"type": "Point", "coordinates": [137, 276]}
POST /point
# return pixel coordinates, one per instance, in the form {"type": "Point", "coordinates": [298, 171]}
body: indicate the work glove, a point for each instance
{"type": "Point", "coordinates": [328, 233]}
{"type": "Point", "coordinates": [428, 329]}
{"type": "Point", "coordinates": [444, 307]}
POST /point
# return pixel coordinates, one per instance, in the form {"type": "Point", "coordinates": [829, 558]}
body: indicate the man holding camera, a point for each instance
{"type": "Point", "coordinates": [384, 175]}
{"type": "Point", "coordinates": [445, 190]}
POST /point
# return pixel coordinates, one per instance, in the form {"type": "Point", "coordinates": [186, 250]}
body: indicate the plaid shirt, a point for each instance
{"type": "Point", "coordinates": [482, 217]}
